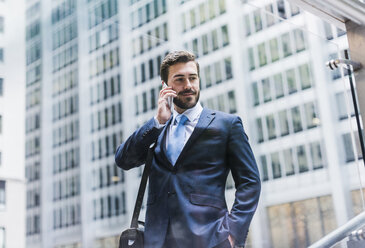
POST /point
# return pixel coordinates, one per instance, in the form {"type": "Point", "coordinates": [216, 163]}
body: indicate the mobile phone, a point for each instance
{"type": "Point", "coordinates": [169, 99]}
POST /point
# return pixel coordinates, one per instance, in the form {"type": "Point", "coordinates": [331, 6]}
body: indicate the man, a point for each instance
{"type": "Point", "coordinates": [196, 147]}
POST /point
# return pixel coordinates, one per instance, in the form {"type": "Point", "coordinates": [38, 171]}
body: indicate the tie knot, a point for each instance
{"type": "Point", "coordinates": [182, 120]}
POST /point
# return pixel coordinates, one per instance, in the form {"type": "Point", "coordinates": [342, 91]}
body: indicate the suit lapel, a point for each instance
{"type": "Point", "coordinates": [161, 145]}
{"type": "Point", "coordinates": [205, 119]}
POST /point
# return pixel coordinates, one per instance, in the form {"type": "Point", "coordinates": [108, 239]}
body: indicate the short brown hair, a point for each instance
{"type": "Point", "coordinates": [173, 58]}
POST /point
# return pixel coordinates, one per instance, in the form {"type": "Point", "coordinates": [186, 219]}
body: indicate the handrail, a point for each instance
{"type": "Point", "coordinates": [340, 233]}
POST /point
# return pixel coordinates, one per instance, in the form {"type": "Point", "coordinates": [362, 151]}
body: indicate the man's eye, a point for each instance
{"type": "Point", "coordinates": [192, 78]}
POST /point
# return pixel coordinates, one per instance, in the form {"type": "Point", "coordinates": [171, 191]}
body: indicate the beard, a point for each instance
{"type": "Point", "coordinates": [184, 102]}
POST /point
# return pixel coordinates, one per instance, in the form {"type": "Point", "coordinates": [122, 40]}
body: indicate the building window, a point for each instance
{"type": "Point", "coordinates": [153, 98]}
{"type": "Point", "coordinates": [270, 123]}
{"type": "Point", "coordinates": [215, 39]}
{"type": "Point", "coordinates": [221, 105]}
{"type": "Point", "coordinates": [305, 76]}
{"type": "Point", "coordinates": [311, 115]}
{"type": "Point", "coordinates": [342, 106]}
{"type": "Point", "coordinates": [2, 194]}
{"type": "Point", "coordinates": [192, 18]}
{"type": "Point", "coordinates": [144, 101]}
{"type": "Point", "coordinates": [297, 120]}
{"type": "Point", "coordinates": [290, 78]}
{"type": "Point", "coordinates": [208, 77]}
{"type": "Point", "coordinates": [136, 106]}
{"type": "Point", "coordinates": [195, 47]}
{"type": "Point", "coordinates": [150, 69]}
{"type": "Point", "coordinates": [340, 32]}
{"type": "Point", "coordinates": [266, 88]}
{"type": "Point", "coordinates": [1, 54]}
{"type": "Point", "coordinates": [228, 68]}
{"type": "Point", "coordinates": [275, 163]}
{"type": "Point", "coordinates": [255, 91]}
{"type": "Point", "coordinates": [1, 24]}
{"type": "Point", "coordinates": [257, 20]}
{"type": "Point", "coordinates": [279, 89]}
{"type": "Point", "coordinates": [218, 72]}
{"type": "Point", "coordinates": [202, 15]}
{"type": "Point", "coordinates": [316, 155]}
{"type": "Point", "coordinates": [262, 54]}
{"type": "Point", "coordinates": [299, 40]}
{"type": "Point", "coordinates": [205, 44]}
{"type": "Point", "coordinates": [247, 25]}
{"type": "Point", "coordinates": [349, 149]}
{"type": "Point", "coordinates": [301, 223]}
{"type": "Point", "coordinates": [284, 123]}
{"type": "Point", "coordinates": [222, 6]}
{"type": "Point", "coordinates": [357, 206]}
{"type": "Point", "coordinates": [232, 102]}
{"type": "Point", "coordinates": [211, 9]}
{"type": "Point", "coordinates": [302, 159]}
{"type": "Point", "coordinates": [289, 162]}
{"type": "Point", "coordinates": [265, 174]}
{"type": "Point", "coordinates": [270, 19]}
{"type": "Point", "coordinates": [287, 49]}
{"type": "Point", "coordinates": [225, 36]}
{"type": "Point", "coordinates": [294, 9]}
{"type": "Point", "coordinates": [260, 134]}
{"type": "Point", "coordinates": [251, 59]}
{"type": "Point", "coordinates": [281, 9]}
{"type": "Point", "coordinates": [328, 30]}
{"type": "Point", "coordinates": [274, 50]}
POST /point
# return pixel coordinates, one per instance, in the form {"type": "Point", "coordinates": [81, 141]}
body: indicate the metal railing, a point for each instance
{"type": "Point", "coordinates": [340, 233]}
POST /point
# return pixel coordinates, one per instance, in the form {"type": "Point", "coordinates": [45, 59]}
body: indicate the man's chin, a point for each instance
{"type": "Point", "coordinates": [186, 104]}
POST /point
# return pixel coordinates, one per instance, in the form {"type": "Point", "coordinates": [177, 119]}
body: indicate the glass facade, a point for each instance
{"type": "Point", "coordinates": [102, 82]}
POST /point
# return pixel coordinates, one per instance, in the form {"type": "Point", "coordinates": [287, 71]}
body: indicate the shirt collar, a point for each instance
{"type": "Point", "coordinates": [192, 114]}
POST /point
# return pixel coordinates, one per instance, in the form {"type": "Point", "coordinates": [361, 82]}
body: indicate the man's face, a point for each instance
{"type": "Point", "coordinates": [184, 79]}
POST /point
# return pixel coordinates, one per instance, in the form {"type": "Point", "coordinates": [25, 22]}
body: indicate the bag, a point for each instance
{"type": "Point", "coordinates": [133, 237]}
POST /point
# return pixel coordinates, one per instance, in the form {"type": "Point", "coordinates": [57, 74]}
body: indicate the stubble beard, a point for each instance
{"type": "Point", "coordinates": [187, 103]}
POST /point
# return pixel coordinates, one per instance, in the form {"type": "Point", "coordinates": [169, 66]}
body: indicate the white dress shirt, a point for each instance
{"type": "Point", "coordinates": [192, 114]}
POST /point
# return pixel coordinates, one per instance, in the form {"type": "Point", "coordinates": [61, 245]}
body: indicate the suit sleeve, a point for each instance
{"type": "Point", "coordinates": [247, 181]}
{"type": "Point", "coordinates": [133, 151]}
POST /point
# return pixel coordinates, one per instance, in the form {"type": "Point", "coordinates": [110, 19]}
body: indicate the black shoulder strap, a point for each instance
{"type": "Point", "coordinates": [142, 186]}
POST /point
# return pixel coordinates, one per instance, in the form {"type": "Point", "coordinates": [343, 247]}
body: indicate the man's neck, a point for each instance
{"type": "Point", "coordinates": [180, 110]}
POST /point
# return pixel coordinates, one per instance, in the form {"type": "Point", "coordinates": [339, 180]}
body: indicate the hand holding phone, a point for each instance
{"type": "Point", "coordinates": [169, 99]}
{"type": "Point", "coordinates": [165, 103]}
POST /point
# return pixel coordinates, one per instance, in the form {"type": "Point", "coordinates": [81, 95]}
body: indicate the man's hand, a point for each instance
{"type": "Point", "coordinates": [231, 240]}
{"type": "Point", "coordinates": [163, 109]}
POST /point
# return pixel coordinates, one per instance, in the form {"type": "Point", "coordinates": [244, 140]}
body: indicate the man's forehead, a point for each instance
{"type": "Point", "coordinates": [183, 69]}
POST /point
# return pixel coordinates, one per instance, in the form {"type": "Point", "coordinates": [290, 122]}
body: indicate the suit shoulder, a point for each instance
{"type": "Point", "coordinates": [223, 115]}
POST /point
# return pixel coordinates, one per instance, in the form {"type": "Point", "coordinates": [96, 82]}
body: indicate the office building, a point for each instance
{"type": "Point", "coordinates": [93, 78]}
{"type": "Point", "coordinates": [12, 90]}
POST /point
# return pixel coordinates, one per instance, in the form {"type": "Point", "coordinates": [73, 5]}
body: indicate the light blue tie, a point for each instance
{"type": "Point", "coordinates": [176, 141]}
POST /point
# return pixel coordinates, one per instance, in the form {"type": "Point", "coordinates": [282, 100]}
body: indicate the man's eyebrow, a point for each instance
{"type": "Point", "coordinates": [182, 75]}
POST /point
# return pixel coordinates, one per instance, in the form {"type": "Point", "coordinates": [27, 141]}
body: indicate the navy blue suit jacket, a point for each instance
{"type": "Point", "coordinates": [190, 195]}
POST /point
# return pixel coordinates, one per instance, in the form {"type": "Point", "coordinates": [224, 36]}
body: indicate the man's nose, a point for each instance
{"type": "Point", "coordinates": [188, 83]}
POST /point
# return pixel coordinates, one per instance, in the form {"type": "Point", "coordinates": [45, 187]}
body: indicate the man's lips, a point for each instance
{"type": "Point", "coordinates": [188, 94]}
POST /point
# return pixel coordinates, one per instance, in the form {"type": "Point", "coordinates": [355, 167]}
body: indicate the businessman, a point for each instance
{"type": "Point", "coordinates": [195, 150]}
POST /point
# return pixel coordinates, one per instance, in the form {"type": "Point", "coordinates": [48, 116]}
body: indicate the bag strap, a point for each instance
{"type": "Point", "coordinates": [142, 186]}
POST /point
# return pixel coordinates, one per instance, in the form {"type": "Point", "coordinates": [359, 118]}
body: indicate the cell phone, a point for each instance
{"type": "Point", "coordinates": [169, 99]}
